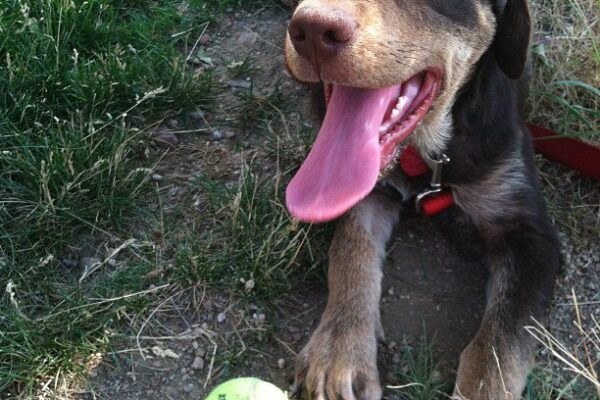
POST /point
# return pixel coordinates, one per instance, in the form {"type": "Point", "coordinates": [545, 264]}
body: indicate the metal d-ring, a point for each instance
{"type": "Point", "coordinates": [435, 185]}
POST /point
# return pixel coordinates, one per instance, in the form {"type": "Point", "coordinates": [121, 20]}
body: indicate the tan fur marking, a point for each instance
{"type": "Point", "coordinates": [343, 348]}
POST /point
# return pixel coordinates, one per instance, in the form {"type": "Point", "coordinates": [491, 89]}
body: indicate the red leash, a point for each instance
{"type": "Point", "coordinates": [573, 153]}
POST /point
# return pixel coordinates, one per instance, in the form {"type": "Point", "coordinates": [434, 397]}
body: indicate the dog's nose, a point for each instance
{"type": "Point", "coordinates": [319, 34]}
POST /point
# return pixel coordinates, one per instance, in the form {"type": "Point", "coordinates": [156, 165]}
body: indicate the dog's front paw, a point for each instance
{"type": "Point", "coordinates": [491, 371]}
{"type": "Point", "coordinates": [339, 363]}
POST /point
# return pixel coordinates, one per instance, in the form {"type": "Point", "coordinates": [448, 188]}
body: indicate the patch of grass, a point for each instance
{"type": "Point", "coordinates": [252, 238]}
{"type": "Point", "coordinates": [418, 375]}
{"type": "Point", "coordinates": [258, 108]}
{"type": "Point", "coordinates": [565, 78]}
{"type": "Point", "coordinates": [573, 202]}
{"type": "Point", "coordinates": [211, 9]}
{"type": "Point", "coordinates": [543, 384]}
{"type": "Point", "coordinates": [80, 81]}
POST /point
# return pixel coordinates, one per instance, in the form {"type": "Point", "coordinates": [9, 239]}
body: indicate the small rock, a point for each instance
{"type": "Point", "coordinates": [197, 332]}
{"type": "Point", "coordinates": [198, 363]}
{"type": "Point", "coordinates": [221, 317]}
{"type": "Point", "coordinates": [205, 39]}
{"type": "Point", "coordinates": [239, 83]}
{"type": "Point", "coordinates": [157, 177]}
{"type": "Point", "coordinates": [217, 135]}
{"type": "Point", "coordinates": [87, 262]}
{"type": "Point", "coordinates": [195, 345]}
{"type": "Point", "coordinates": [247, 37]}
{"type": "Point", "coordinates": [391, 291]}
{"type": "Point", "coordinates": [154, 274]}
{"type": "Point", "coordinates": [166, 140]}
{"type": "Point", "coordinates": [164, 353]}
{"type": "Point", "coordinates": [111, 262]}
{"type": "Point", "coordinates": [229, 134]}
{"type": "Point", "coordinates": [281, 363]}
{"type": "Point", "coordinates": [173, 123]}
{"type": "Point", "coordinates": [188, 388]}
{"type": "Point", "coordinates": [69, 262]}
{"type": "Point", "coordinates": [196, 116]}
{"type": "Point", "coordinates": [174, 191]}
{"type": "Point", "coordinates": [249, 285]}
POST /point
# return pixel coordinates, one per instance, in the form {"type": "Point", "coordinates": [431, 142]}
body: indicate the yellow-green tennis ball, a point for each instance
{"type": "Point", "coordinates": [247, 389]}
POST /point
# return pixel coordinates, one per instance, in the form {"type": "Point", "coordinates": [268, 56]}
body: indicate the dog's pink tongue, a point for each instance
{"type": "Point", "coordinates": [343, 165]}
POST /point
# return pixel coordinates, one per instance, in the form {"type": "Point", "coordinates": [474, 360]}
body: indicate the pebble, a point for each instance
{"type": "Point", "coordinates": [239, 83]}
{"type": "Point", "coordinates": [221, 317]}
{"type": "Point", "coordinates": [247, 37]}
{"type": "Point", "coordinates": [69, 261]}
{"type": "Point", "coordinates": [198, 363]}
{"type": "Point", "coordinates": [229, 134]}
{"type": "Point", "coordinates": [87, 262]}
{"type": "Point", "coordinates": [195, 345]}
{"type": "Point", "coordinates": [196, 116]}
{"type": "Point", "coordinates": [281, 363]}
{"type": "Point", "coordinates": [157, 177]}
{"type": "Point", "coordinates": [174, 123]}
{"type": "Point", "coordinates": [189, 387]}
{"type": "Point", "coordinates": [174, 191]}
{"type": "Point", "coordinates": [166, 140]}
{"type": "Point", "coordinates": [197, 332]}
{"type": "Point", "coordinates": [205, 39]}
{"type": "Point", "coordinates": [217, 135]}
{"type": "Point", "coordinates": [249, 285]}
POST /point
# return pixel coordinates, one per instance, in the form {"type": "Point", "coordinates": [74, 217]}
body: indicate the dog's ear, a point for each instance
{"type": "Point", "coordinates": [511, 43]}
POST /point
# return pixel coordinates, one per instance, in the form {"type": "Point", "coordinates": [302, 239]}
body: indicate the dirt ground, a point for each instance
{"type": "Point", "coordinates": [199, 337]}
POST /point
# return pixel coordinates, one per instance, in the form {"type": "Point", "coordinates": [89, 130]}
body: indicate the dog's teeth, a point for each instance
{"type": "Point", "coordinates": [384, 128]}
{"type": "Point", "coordinates": [401, 102]}
{"type": "Point", "coordinates": [395, 113]}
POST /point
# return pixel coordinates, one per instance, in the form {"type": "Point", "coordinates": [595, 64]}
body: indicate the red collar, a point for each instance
{"type": "Point", "coordinates": [430, 201]}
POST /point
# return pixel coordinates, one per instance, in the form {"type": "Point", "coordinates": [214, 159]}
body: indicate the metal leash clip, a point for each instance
{"type": "Point", "coordinates": [435, 186]}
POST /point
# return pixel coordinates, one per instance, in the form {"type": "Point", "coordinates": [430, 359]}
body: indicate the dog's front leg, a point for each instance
{"type": "Point", "coordinates": [524, 262]}
{"type": "Point", "coordinates": [340, 360]}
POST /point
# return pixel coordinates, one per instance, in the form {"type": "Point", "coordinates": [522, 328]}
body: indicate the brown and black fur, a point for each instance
{"type": "Point", "coordinates": [493, 177]}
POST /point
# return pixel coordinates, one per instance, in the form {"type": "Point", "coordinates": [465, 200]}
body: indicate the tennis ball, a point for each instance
{"type": "Point", "coordinates": [247, 389]}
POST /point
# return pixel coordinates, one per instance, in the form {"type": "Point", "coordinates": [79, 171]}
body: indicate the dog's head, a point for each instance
{"type": "Point", "coordinates": [391, 71]}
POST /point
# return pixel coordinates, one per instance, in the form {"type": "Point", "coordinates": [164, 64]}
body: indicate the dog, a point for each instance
{"type": "Point", "coordinates": [443, 80]}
